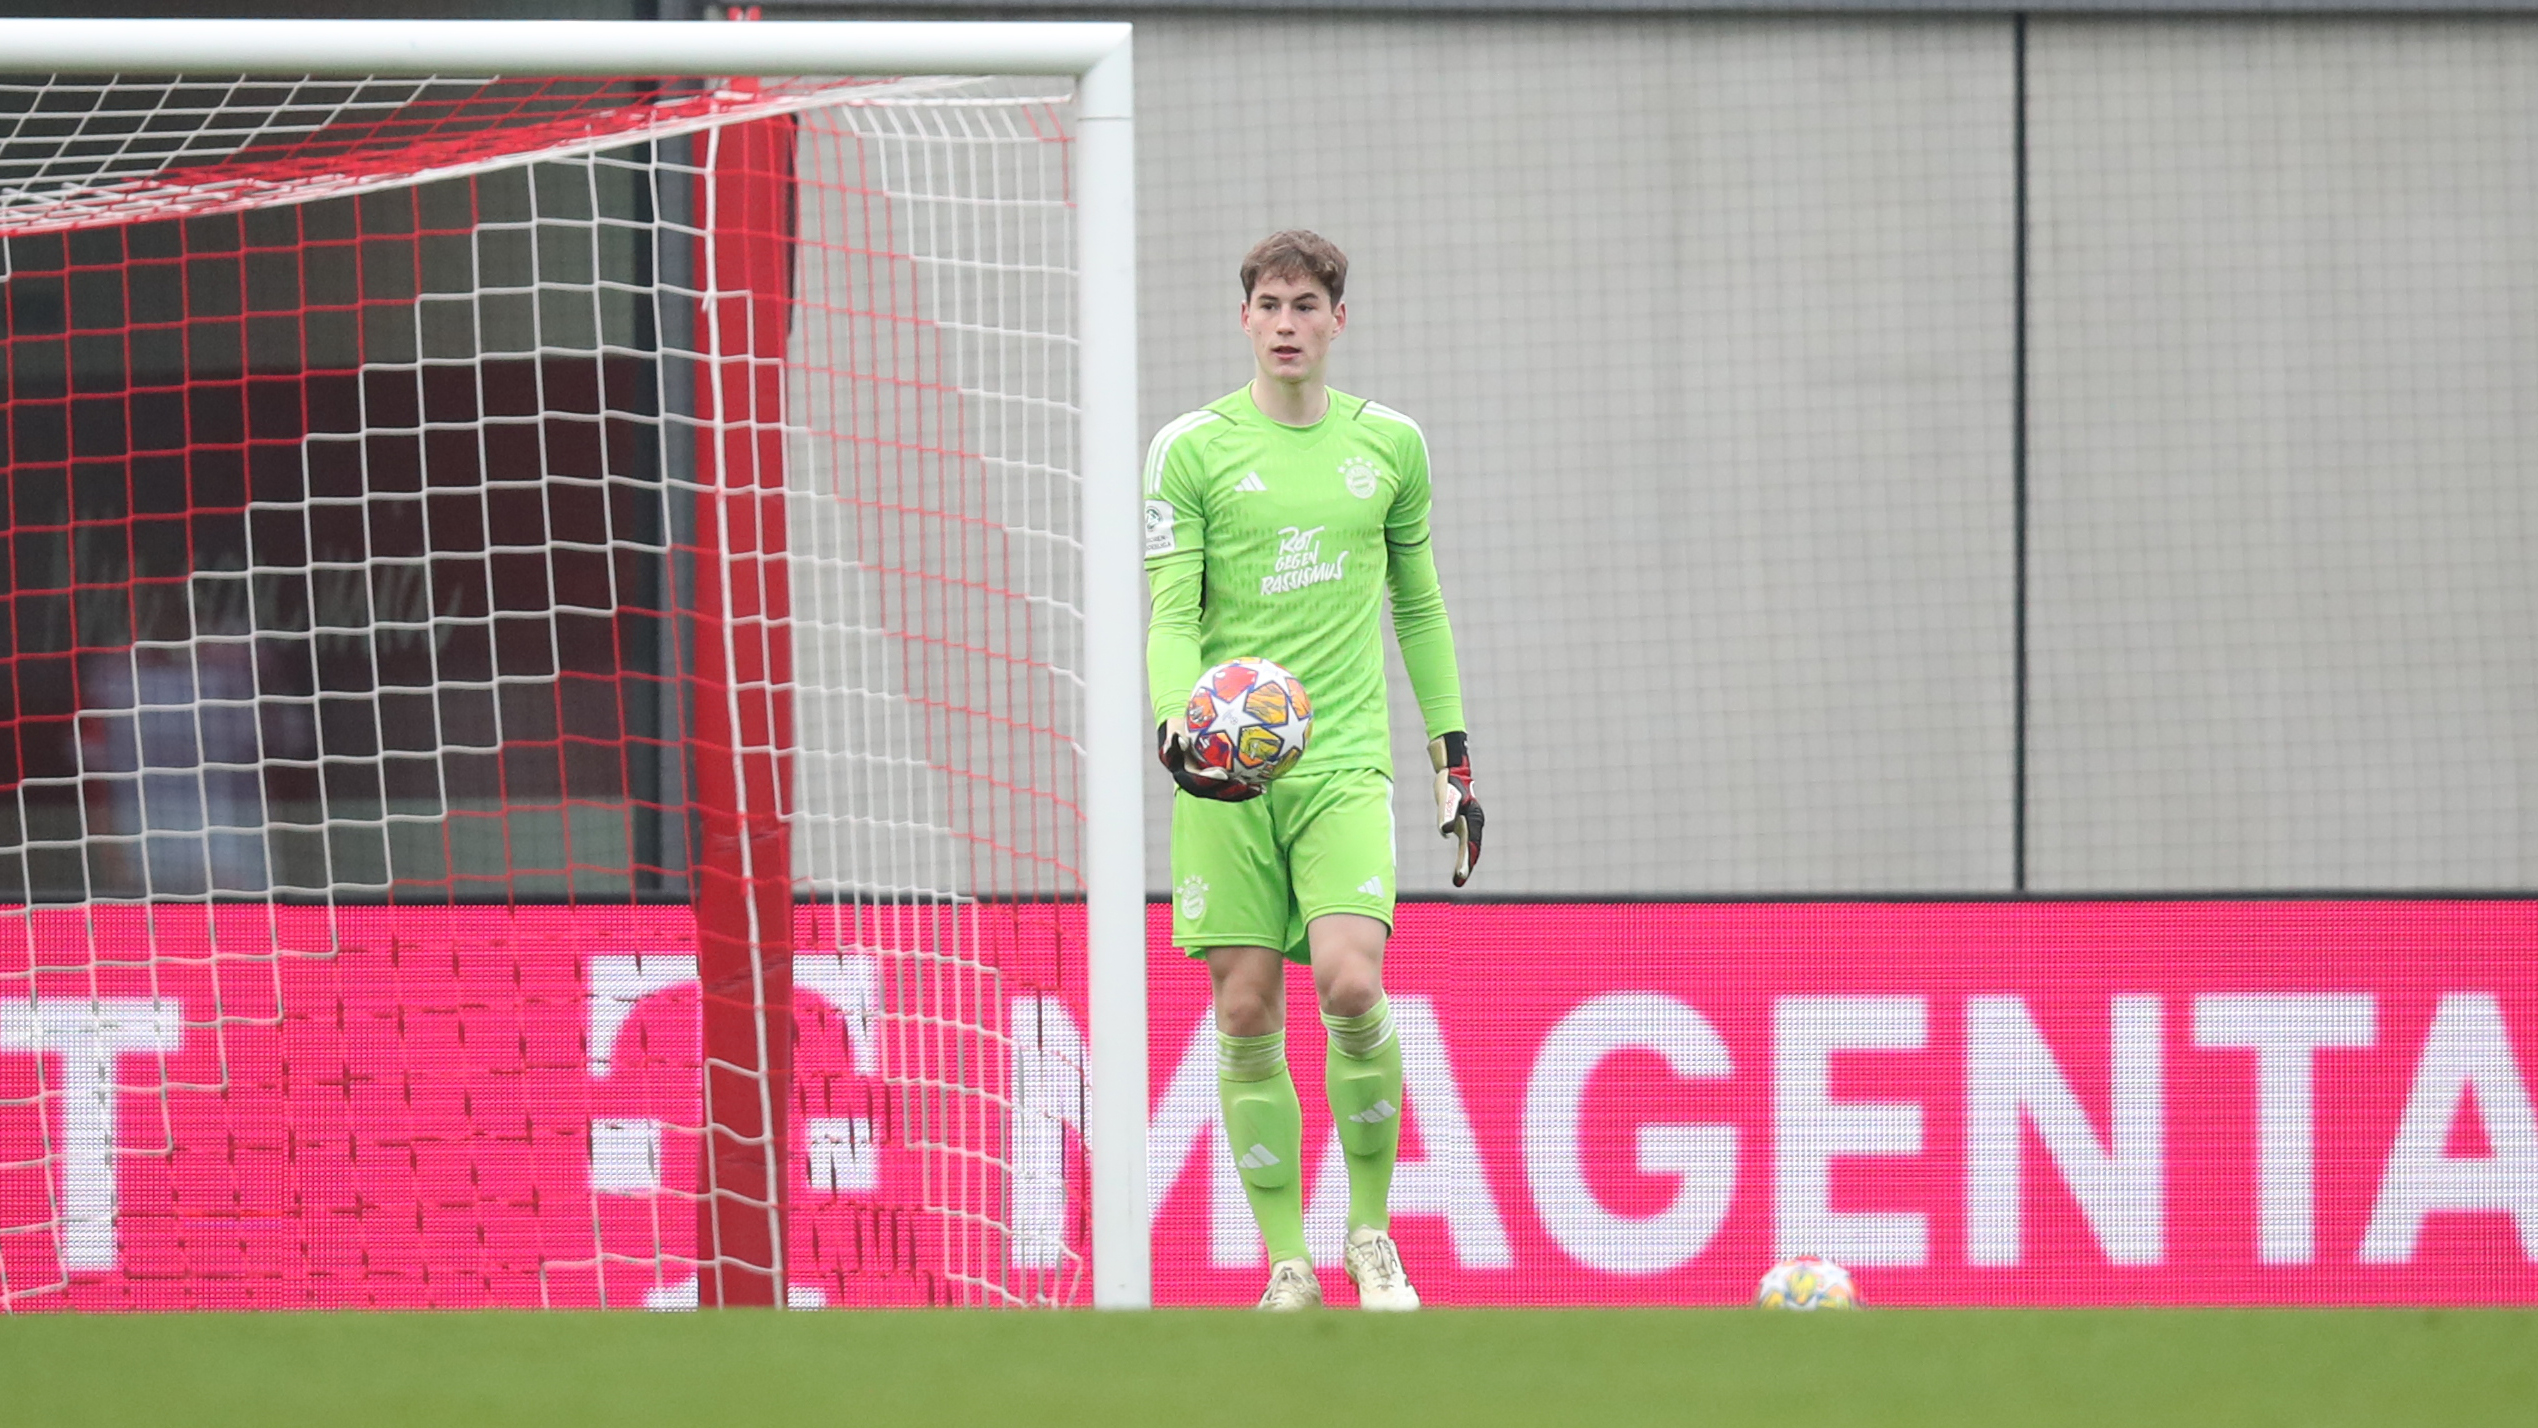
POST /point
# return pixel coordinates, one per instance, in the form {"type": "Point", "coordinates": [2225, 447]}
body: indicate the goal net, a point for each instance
{"type": "Point", "coordinates": [545, 692]}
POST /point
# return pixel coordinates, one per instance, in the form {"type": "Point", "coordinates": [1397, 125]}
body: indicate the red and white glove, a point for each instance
{"type": "Point", "coordinates": [1172, 750]}
{"type": "Point", "coordinates": [1458, 814]}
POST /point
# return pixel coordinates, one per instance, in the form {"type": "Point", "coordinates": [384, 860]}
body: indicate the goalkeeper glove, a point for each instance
{"type": "Point", "coordinates": [1458, 814]}
{"type": "Point", "coordinates": [1172, 750]}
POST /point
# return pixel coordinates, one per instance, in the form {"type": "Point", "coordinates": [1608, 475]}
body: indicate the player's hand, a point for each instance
{"type": "Point", "coordinates": [1172, 750]}
{"type": "Point", "coordinates": [1458, 814]}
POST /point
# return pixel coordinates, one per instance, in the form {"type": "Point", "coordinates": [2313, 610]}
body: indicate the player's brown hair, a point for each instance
{"type": "Point", "coordinates": [1296, 253]}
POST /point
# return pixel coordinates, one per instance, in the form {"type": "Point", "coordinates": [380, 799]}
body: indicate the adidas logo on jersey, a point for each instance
{"type": "Point", "coordinates": [1376, 1114]}
{"type": "Point", "coordinates": [1372, 887]}
{"type": "Point", "coordinates": [1251, 482]}
{"type": "Point", "coordinates": [1259, 1157]}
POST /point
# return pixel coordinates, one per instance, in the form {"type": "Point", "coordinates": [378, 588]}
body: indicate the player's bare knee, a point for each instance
{"type": "Point", "coordinates": [1348, 963]}
{"type": "Point", "coordinates": [1248, 988]}
{"type": "Point", "coordinates": [1349, 988]}
{"type": "Point", "coordinates": [1354, 997]}
{"type": "Point", "coordinates": [1247, 1015]}
{"type": "Point", "coordinates": [1246, 1008]}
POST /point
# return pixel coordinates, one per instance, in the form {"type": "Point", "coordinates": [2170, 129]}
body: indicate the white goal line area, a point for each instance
{"type": "Point", "coordinates": [688, 463]}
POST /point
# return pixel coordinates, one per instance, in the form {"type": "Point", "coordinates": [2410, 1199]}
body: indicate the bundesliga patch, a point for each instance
{"type": "Point", "coordinates": [1160, 518]}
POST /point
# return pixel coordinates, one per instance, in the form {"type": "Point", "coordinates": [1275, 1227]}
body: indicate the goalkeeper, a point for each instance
{"type": "Point", "coordinates": [1276, 519]}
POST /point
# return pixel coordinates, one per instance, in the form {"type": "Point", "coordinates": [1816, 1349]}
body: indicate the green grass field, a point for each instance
{"type": "Point", "coordinates": [1712, 1368]}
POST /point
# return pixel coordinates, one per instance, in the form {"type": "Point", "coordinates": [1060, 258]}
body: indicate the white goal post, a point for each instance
{"type": "Point", "coordinates": [1101, 191]}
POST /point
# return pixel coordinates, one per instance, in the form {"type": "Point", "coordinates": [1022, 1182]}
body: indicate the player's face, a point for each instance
{"type": "Point", "coordinates": [1291, 322]}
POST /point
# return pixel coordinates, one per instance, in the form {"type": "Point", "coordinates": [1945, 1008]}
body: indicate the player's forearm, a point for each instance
{"type": "Point", "coordinates": [1173, 660]}
{"type": "Point", "coordinates": [1426, 638]}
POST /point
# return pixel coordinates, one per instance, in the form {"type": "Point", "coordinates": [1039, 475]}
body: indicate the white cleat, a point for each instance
{"type": "Point", "coordinates": [1374, 1264]}
{"type": "Point", "coordinates": [1291, 1287]}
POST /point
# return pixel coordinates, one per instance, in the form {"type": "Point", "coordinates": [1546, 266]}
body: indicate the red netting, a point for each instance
{"type": "Point", "coordinates": [514, 652]}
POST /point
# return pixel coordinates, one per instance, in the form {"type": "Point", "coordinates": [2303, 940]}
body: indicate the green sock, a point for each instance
{"type": "Point", "coordinates": [1264, 1123]}
{"type": "Point", "coordinates": [1365, 1086]}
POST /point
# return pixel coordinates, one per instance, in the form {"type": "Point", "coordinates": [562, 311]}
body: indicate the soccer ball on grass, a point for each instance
{"type": "Point", "coordinates": [1806, 1283]}
{"type": "Point", "coordinates": [1249, 720]}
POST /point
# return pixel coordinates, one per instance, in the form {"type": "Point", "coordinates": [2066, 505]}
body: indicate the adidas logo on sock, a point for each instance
{"type": "Point", "coordinates": [1251, 482]}
{"type": "Point", "coordinates": [1372, 887]}
{"type": "Point", "coordinates": [1376, 1114]}
{"type": "Point", "coordinates": [1259, 1157]}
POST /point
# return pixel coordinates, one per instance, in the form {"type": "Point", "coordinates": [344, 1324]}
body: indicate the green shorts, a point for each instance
{"type": "Point", "coordinates": [1255, 874]}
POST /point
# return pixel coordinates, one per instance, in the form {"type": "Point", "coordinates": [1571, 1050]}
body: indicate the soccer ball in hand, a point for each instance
{"type": "Point", "coordinates": [1807, 1282]}
{"type": "Point", "coordinates": [1248, 720]}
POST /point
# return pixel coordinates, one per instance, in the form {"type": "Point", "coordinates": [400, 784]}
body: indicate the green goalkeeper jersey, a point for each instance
{"type": "Point", "coordinates": [1279, 542]}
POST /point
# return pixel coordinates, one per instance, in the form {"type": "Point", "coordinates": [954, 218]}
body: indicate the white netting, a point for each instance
{"type": "Point", "coordinates": [75, 153]}
{"type": "Point", "coordinates": [483, 586]}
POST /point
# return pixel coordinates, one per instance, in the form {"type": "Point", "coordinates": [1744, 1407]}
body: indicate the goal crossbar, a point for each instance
{"type": "Point", "coordinates": [337, 48]}
{"type": "Point", "coordinates": [1098, 57]}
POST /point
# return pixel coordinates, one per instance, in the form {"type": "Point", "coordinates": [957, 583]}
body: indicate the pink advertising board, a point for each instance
{"type": "Point", "coordinates": [1969, 1103]}
{"type": "Point", "coordinates": [463, 1108]}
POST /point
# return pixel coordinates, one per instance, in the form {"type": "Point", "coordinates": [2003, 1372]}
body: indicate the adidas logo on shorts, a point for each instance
{"type": "Point", "coordinates": [1372, 887]}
